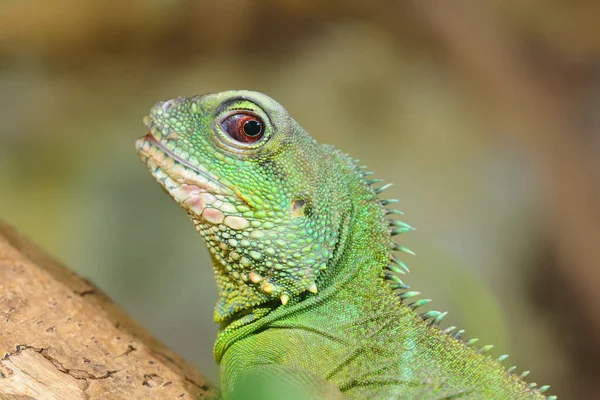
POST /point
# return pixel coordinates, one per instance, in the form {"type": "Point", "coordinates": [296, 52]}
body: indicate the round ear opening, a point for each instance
{"type": "Point", "coordinates": [300, 207]}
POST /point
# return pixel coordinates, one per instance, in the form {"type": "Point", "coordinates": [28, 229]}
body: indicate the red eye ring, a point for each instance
{"type": "Point", "coordinates": [244, 127]}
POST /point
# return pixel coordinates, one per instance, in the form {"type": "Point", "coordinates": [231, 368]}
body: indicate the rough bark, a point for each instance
{"type": "Point", "coordinates": [61, 338]}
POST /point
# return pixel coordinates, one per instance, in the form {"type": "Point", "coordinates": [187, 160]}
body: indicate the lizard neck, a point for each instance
{"type": "Point", "coordinates": [365, 245]}
{"type": "Point", "coordinates": [363, 248]}
{"type": "Point", "coordinates": [353, 281]}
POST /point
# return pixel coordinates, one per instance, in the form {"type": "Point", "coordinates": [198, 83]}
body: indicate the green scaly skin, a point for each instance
{"type": "Point", "coordinates": [303, 259]}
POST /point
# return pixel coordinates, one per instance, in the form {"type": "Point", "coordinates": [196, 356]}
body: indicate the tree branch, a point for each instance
{"type": "Point", "coordinates": [62, 338]}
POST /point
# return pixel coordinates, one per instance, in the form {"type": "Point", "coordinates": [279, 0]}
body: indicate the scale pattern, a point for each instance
{"type": "Point", "coordinates": [310, 294]}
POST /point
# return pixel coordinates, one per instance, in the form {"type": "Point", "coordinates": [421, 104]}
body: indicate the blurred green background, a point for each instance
{"type": "Point", "coordinates": [483, 114]}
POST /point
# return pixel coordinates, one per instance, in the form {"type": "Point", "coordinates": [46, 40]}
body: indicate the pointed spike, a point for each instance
{"type": "Point", "coordinates": [449, 330]}
{"type": "Point", "coordinates": [254, 277]}
{"type": "Point", "coordinates": [430, 314]}
{"type": "Point", "coordinates": [374, 181]}
{"type": "Point", "coordinates": [502, 358]}
{"type": "Point", "coordinates": [438, 320]}
{"type": "Point", "coordinates": [532, 385]}
{"type": "Point", "coordinates": [544, 388]}
{"type": "Point", "coordinates": [551, 398]}
{"type": "Point", "coordinates": [399, 231]}
{"type": "Point", "coordinates": [267, 288]}
{"type": "Point", "coordinates": [312, 287]}
{"type": "Point", "coordinates": [399, 263]}
{"type": "Point", "coordinates": [388, 201]}
{"type": "Point", "coordinates": [407, 295]}
{"type": "Point", "coordinates": [384, 187]}
{"type": "Point", "coordinates": [419, 303]}
{"type": "Point", "coordinates": [284, 299]}
{"type": "Point", "coordinates": [393, 268]}
{"type": "Point", "coordinates": [403, 249]}
{"type": "Point", "coordinates": [407, 250]}
{"type": "Point", "coordinates": [399, 286]}
{"type": "Point", "coordinates": [366, 173]}
{"type": "Point", "coordinates": [392, 211]}
{"type": "Point", "coordinates": [401, 224]}
{"type": "Point", "coordinates": [471, 341]}
{"type": "Point", "coordinates": [394, 279]}
{"type": "Point", "coordinates": [486, 348]}
{"type": "Point", "coordinates": [511, 369]}
{"type": "Point", "coordinates": [524, 374]}
{"type": "Point", "coordinates": [459, 334]}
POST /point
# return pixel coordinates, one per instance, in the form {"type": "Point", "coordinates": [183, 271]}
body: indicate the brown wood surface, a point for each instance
{"type": "Point", "coordinates": [61, 338]}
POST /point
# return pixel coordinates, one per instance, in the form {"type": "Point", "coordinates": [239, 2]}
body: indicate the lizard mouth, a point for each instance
{"type": "Point", "coordinates": [191, 186]}
{"type": "Point", "coordinates": [152, 151]}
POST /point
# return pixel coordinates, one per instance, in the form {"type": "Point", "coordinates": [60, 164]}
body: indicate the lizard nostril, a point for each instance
{"type": "Point", "coordinates": [167, 105]}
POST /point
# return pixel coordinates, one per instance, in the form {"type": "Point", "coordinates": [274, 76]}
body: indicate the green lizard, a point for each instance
{"type": "Point", "coordinates": [310, 301]}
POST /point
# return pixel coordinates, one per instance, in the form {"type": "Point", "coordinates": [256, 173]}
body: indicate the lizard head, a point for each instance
{"type": "Point", "coordinates": [267, 199]}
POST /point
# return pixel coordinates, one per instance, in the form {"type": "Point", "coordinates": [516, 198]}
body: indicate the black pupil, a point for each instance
{"type": "Point", "coordinates": [252, 127]}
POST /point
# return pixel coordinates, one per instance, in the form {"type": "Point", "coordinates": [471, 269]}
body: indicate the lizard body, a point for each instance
{"type": "Point", "coordinates": [304, 262]}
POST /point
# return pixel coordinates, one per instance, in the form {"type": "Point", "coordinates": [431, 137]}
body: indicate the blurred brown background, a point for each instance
{"type": "Point", "coordinates": [483, 114]}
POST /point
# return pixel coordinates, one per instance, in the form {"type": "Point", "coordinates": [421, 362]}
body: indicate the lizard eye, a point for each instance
{"type": "Point", "coordinates": [244, 127]}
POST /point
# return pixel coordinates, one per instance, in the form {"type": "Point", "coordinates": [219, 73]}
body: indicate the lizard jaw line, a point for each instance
{"type": "Point", "coordinates": [149, 149]}
{"type": "Point", "coordinates": [194, 191]}
{"type": "Point", "coordinates": [198, 193]}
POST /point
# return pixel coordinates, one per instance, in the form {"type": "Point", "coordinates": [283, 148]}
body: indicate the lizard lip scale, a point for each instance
{"type": "Point", "coordinates": [156, 154]}
{"type": "Point", "coordinates": [192, 188]}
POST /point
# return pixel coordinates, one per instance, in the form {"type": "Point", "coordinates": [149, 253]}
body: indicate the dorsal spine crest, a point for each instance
{"type": "Point", "coordinates": [396, 228]}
